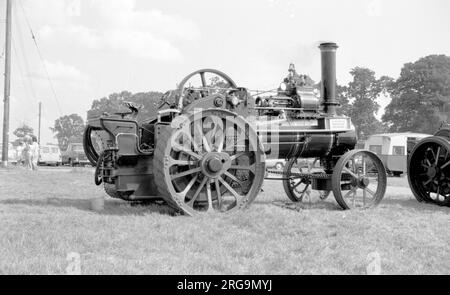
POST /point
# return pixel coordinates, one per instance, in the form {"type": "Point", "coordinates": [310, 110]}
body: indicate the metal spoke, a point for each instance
{"type": "Point", "coordinates": [302, 193]}
{"type": "Point", "coordinates": [234, 157]}
{"type": "Point", "coordinates": [445, 165]}
{"type": "Point", "coordinates": [208, 193]}
{"type": "Point", "coordinates": [197, 192]}
{"type": "Point", "coordinates": [432, 153]}
{"type": "Point", "coordinates": [353, 163]}
{"type": "Point", "coordinates": [173, 162]}
{"type": "Point", "coordinates": [364, 165]}
{"type": "Point", "coordinates": [429, 180]}
{"type": "Point", "coordinates": [297, 184]}
{"type": "Point", "coordinates": [194, 144]}
{"type": "Point", "coordinates": [204, 139]}
{"type": "Point", "coordinates": [185, 173]}
{"type": "Point", "coordinates": [240, 167]}
{"type": "Point", "coordinates": [370, 191]}
{"type": "Point", "coordinates": [228, 174]}
{"type": "Point", "coordinates": [219, 195]}
{"type": "Point", "coordinates": [230, 189]}
{"type": "Point", "coordinates": [348, 194]}
{"type": "Point", "coordinates": [198, 130]}
{"type": "Point", "coordinates": [425, 166]}
{"type": "Point", "coordinates": [437, 155]}
{"type": "Point", "coordinates": [185, 150]}
{"type": "Point", "coordinates": [221, 142]}
{"type": "Point", "coordinates": [350, 172]}
{"type": "Point", "coordinates": [202, 76]}
{"type": "Point", "coordinates": [206, 144]}
{"type": "Point", "coordinates": [189, 186]}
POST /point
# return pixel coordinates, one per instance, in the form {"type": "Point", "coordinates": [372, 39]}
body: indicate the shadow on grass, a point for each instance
{"type": "Point", "coordinates": [416, 205]}
{"type": "Point", "coordinates": [112, 207]}
{"type": "Point", "coordinates": [324, 205]}
{"type": "Point", "coordinates": [410, 204]}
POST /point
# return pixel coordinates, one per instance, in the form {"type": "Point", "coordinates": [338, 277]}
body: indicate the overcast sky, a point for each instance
{"type": "Point", "coordinates": [92, 48]}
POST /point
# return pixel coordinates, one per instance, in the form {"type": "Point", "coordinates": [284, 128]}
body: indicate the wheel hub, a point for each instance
{"type": "Point", "coordinates": [431, 172]}
{"type": "Point", "coordinates": [215, 164]}
{"type": "Point", "coordinates": [363, 182]}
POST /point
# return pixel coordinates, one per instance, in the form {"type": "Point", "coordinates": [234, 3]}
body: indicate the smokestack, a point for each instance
{"type": "Point", "coordinates": [328, 52]}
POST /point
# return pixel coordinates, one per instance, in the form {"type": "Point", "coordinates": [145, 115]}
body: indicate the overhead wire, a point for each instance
{"type": "Point", "coordinates": [22, 75]}
{"type": "Point", "coordinates": [55, 96]}
{"type": "Point", "coordinates": [25, 70]}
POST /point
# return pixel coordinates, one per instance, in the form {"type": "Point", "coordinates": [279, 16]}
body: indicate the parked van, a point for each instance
{"type": "Point", "coordinates": [393, 149]}
{"type": "Point", "coordinates": [49, 155]}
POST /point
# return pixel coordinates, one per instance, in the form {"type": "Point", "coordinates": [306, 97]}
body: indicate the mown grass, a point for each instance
{"type": "Point", "coordinates": [46, 215]}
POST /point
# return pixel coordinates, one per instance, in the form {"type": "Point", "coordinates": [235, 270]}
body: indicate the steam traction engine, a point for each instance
{"type": "Point", "coordinates": [206, 150]}
{"type": "Point", "coordinates": [428, 168]}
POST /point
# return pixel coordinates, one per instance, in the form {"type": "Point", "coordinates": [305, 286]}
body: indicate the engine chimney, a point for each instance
{"type": "Point", "coordinates": [328, 52]}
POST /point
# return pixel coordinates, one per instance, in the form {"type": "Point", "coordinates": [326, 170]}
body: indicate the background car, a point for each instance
{"type": "Point", "coordinates": [74, 155]}
{"type": "Point", "coordinates": [278, 164]}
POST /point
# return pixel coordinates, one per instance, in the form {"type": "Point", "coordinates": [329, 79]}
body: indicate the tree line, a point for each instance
{"type": "Point", "coordinates": [420, 100]}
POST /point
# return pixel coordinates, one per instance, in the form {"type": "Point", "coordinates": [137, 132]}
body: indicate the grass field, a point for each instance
{"type": "Point", "coordinates": [46, 215]}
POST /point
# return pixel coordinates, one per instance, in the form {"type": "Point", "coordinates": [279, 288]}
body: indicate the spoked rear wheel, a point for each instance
{"type": "Point", "coordinates": [296, 187]}
{"type": "Point", "coordinates": [212, 161]}
{"type": "Point", "coordinates": [359, 180]}
{"type": "Point", "coordinates": [429, 171]}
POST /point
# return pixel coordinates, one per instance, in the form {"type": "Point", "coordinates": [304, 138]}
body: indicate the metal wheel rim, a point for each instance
{"type": "Point", "coordinates": [429, 171]}
{"type": "Point", "coordinates": [359, 184]}
{"type": "Point", "coordinates": [201, 73]}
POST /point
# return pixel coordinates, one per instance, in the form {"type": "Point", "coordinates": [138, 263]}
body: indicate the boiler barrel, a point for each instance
{"type": "Point", "coordinates": [285, 145]}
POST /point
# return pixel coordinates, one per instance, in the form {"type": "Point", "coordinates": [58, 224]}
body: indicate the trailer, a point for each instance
{"type": "Point", "coordinates": [393, 149]}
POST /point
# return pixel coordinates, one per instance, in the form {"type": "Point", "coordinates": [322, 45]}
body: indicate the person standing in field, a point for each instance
{"type": "Point", "coordinates": [20, 153]}
{"type": "Point", "coordinates": [26, 152]}
{"type": "Point", "coordinates": [34, 149]}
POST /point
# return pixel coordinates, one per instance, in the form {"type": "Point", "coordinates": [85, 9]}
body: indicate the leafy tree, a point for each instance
{"type": "Point", "coordinates": [110, 104]}
{"type": "Point", "coordinates": [341, 97]}
{"type": "Point", "coordinates": [420, 96]}
{"type": "Point", "coordinates": [21, 132]}
{"type": "Point", "coordinates": [148, 101]}
{"type": "Point", "coordinates": [217, 81]}
{"type": "Point", "coordinates": [68, 129]}
{"type": "Point", "coordinates": [363, 91]}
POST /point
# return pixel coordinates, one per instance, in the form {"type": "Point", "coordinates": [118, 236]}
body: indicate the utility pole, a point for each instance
{"type": "Point", "coordinates": [39, 130]}
{"type": "Point", "coordinates": [7, 84]}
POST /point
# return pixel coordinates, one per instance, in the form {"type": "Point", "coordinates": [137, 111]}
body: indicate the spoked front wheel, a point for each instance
{"type": "Point", "coordinates": [359, 180]}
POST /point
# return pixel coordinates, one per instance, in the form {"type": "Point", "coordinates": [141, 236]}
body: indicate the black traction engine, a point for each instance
{"type": "Point", "coordinates": [205, 149]}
